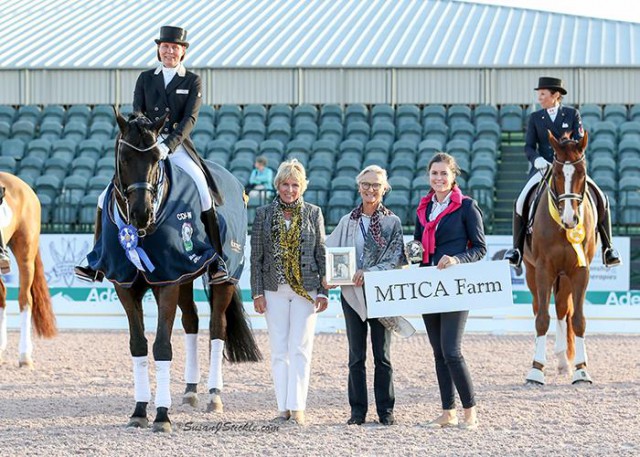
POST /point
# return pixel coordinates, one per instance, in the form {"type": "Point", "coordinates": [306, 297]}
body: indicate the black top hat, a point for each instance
{"type": "Point", "coordinates": [169, 34]}
{"type": "Point", "coordinates": [545, 82]}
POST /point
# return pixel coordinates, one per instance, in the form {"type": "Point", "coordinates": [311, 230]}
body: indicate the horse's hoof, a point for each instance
{"type": "Point", "coordinates": [190, 398]}
{"type": "Point", "coordinates": [25, 361]}
{"type": "Point", "coordinates": [162, 427]}
{"type": "Point", "coordinates": [581, 377]}
{"type": "Point", "coordinates": [535, 377]}
{"type": "Point", "coordinates": [214, 404]}
{"type": "Point", "coordinates": [138, 422]}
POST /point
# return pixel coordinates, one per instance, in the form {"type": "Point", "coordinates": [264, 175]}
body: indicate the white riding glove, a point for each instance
{"type": "Point", "coordinates": [541, 164]}
{"type": "Point", "coordinates": [164, 151]}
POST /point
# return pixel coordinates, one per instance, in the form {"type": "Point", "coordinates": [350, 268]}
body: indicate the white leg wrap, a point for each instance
{"type": "Point", "coordinates": [26, 345]}
{"type": "Point", "coordinates": [561, 336]}
{"type": "Point", "coordinates": [541, 350]}
{"type": "Point", "coordinates": [215, 368]}
{"type": "Point", "coordinates": [141, 388]}
{"type": "Point", "coordinates": [192, 365]}
{"type": "Point", "coordinates": [581, 351]}
{"type": "Point", "coordinates": [3, 329]}
{"type": "Point", "coordinates": [163, 384]}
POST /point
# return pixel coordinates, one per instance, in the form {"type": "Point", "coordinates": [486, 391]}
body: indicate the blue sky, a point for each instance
{"type": "Point", "coordinates": [622, 10]}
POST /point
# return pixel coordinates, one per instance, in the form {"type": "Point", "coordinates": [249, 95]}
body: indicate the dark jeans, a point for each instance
{"type": "Point", "coordinates": [445, 335]}
{"type": "Point", "coordinates": [383, 374]}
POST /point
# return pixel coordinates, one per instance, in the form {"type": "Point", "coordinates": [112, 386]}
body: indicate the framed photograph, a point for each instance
{"type": "Point", "coordinates": [341, 266]}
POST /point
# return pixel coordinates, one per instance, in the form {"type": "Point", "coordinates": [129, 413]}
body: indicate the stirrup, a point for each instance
{"type": "Point", "coordinates": [87, 274]}
{"type": "Point", "coordinates": [221, 275]}
{"type": "Point", "coordinates": [514, 257]}
{"type": "Point", "coordinates": [611, 258]}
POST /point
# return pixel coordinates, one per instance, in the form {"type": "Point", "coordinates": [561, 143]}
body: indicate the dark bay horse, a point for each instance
{"type": "Point", "coordinates": [139, 194]}
{"type": "Point", "coordinates": [557, 257]}
{"type": "Point", "coordinates": [21, 230]}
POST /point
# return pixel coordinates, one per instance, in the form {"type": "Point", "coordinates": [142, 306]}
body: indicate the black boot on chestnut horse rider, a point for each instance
{"type": "Point", "coordinates": [87, 273]}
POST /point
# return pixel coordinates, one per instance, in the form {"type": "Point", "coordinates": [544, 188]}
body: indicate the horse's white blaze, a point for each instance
{"type": "Point", "coordinates": [561, 336]}
{"type": "Point", "coordinates": [163, 384]}
{"type": "Point", "coordinates": [540, 355]}
{"type": "Point", "coordinates": [26, 344]}
{"type": "Point", "coordinates": [192, 365]}
{"type": "Point", "coordinates": [581, 351]}
{"type": "Point", "coordinates": [3, 329]}
{"type": "Point", "coordinates": [568, 215]}
{"type": "Point", "coordinates": [141, 387]}
{"type": "Point", "coordinates": [215, 367]}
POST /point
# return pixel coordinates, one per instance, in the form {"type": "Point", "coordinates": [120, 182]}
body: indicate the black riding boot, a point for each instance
{"type": "Point", "coordinates": [5, 261]}
{"type": "Point", "coordinates": [218, 272]}
{"type": "Point", "coordinates": [610, 256]}
{"type": "Point", "coordinates": [86, 273]}
{"type": "Point", "coordinates": [514, 256]}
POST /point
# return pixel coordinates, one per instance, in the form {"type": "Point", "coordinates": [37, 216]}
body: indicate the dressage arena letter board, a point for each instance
{"type": "Point", "coordinates": [414, 291]}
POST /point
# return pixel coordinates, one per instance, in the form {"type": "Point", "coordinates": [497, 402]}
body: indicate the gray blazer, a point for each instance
{"type": "Point", "coordinates": [376, 258]}
{"type": "Point", "coordinates": [263, 268]}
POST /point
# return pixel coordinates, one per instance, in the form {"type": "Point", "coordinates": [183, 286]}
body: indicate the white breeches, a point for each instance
{"type": "Point", "coordinates": [291, 321]}
{"type": "Point", "coordinates": [181, 158]}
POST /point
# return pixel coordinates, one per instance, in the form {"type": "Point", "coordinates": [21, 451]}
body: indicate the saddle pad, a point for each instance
{"type": "Point", "coordinates": [178, 249]}
{"type": "Point", "coordinates": [233, 219]}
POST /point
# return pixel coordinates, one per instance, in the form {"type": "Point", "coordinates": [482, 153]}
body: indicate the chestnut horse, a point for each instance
{"type": "Point", "coordinates": [557, 257]}
{"type": "Point", "coordinates": [139, 199]}
{"type": "Point", "coordinates": [20, 225]}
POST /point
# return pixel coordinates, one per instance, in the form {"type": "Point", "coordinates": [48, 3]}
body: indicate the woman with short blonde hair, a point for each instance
{"type": "Point", "coordinates": [287, 269]}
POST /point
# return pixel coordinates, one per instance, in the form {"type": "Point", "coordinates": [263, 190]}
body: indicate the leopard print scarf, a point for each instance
{"type": "Point", "coordinates": [287, 244]}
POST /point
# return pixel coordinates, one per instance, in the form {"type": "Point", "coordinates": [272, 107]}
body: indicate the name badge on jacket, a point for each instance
{"type": "Point", "coordinates": [182, 91]}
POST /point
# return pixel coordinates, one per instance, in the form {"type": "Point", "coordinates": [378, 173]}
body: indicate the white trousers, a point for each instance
{"type": "Point", "coordinates": [181, 158]}
{"type": "Point", "coordinates": [291, 321]}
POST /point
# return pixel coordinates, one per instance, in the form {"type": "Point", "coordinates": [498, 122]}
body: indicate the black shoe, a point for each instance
{"type": "Point", "coordinates": [355, 420]}
{"type": "Point", "coordinates": [611, 258]}
{"type": "Point", "coordinates": [514, 257]}
{"type": "Point", "coordinates": [389, 419]}
{"type": "Point", "coordinates": [87, 274]}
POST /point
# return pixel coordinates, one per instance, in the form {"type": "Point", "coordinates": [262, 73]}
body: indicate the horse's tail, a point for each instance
{"type": "Point", "coordinates": [44, 322]}
{"type": "Point", "coordinates": [240, 344]}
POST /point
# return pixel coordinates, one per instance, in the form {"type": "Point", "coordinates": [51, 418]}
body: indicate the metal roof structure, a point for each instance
{"type": "Point", "coordinates": [100, 34]}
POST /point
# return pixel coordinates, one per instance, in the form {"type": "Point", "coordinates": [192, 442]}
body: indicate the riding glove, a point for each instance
{"type": "Point", "coordinates": [164, 151]}
{"type": "Point", "coordinates": [541, 164]}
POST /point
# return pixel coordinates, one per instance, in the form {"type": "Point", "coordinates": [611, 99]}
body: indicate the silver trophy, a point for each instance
{"type": "Point", "coordinates": [414, 251]}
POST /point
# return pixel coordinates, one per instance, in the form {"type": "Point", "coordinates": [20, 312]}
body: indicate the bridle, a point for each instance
{"type": "Point", "coordinates": [155, 187]}
{"type": "Point", "coordinates": [557, 198]}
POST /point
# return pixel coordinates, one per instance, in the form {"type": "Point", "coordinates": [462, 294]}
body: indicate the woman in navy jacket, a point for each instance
{"type": "Point", "coordinates": [449, 226]}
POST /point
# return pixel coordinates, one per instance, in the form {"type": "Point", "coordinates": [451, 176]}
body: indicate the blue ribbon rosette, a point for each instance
{"type": "Point", "coordinates": [128, 238]}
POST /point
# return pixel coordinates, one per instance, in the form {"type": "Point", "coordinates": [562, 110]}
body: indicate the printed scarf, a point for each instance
{"type": "Point", "coordinates": [287, 243]}
{"type": "Point", "coordinates": [429, 232]}
{"type": "Point", "coordinates": [374, 226]}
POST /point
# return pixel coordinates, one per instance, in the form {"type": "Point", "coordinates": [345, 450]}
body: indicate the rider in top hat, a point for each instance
{"type": "Point", "coordinates": [171, 90]}
{"type": "Point", "coordinates": [559, 119]}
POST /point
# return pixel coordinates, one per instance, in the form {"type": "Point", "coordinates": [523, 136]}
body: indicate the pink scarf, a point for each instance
{"type": "Point", "coordinates": [429, 233]}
